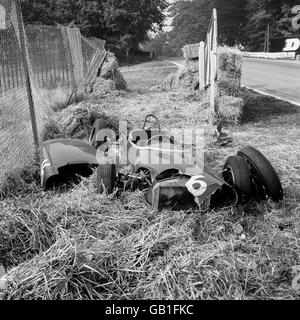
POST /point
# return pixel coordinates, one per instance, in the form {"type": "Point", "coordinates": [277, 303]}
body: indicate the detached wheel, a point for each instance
{"type": "Point", "coordinates": [237, 174]}
{"type": "Point", "coordinates": [263, 174]}
{"type": "Point", "coordinates": [106, 178]}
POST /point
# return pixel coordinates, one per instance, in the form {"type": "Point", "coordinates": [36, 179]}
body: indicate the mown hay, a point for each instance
{"type": "Point", "coordinates": [77, 120]}
{"type": "Point", "coordinates": [19, 181]}
{"type": "Point", "coordinates": [103, 87]}
{"type": "Point", "coordinates": [122, 249]}
{"type": "Point", "coordinates": [192, 65]}
{"type": "Point", "coordinates": [191, 51]}
{"type": "Point", "coordinates": [230, 86]}
{"type": "Point", "coordinates": [230, 62]}
{"type": "Point", "coordinates": [182, 79]}
{"type": "Point", "coordinates": [52, 130]}
{"type": "Point", "coordinates": [229, 83]}
{"type": "Point", "coordinates": [109, 78]}
{"type": "Point", "coordinates": [109, 67]}
{"type": "Point", "coordinates": [230, 108]}
{"type": "Point", "coordinates": [23, 233]}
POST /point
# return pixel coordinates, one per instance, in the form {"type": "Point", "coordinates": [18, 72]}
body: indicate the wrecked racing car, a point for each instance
{"type": "Point", "coordinates": [180, 183]}
{"type": "Point", "coordinates": [171, 179]}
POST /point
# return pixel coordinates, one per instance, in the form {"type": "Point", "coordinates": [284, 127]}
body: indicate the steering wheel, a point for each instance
{"type": "Point", "coordinates": [164, 137]}
{"type": "Point", "coordinates": [147, 121]}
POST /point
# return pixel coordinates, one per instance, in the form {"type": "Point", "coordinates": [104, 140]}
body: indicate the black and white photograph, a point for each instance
{"type": "Point", "coordinates": [149, 153]}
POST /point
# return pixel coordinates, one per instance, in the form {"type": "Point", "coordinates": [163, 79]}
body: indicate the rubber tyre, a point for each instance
{"type": "Point", "coordinates": [98, 125]}
{"type": "Point", "coordinates": [263, 173]}
{"type": "Point", "coordinates": [106, 178]}
{"type": "Point", "coordinates": [237, 174]}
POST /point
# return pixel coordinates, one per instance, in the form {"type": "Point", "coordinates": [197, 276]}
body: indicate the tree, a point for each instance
{"type": "Point", "coordinates": [123, 23]}
{"type": "Point", "coordinates": [160, 44]}
{"type": "Point", "coordinates": [284, 26]}
{"type": "Point", "coordinates": [231, 21]}
{"type": "Point", "coordinates": [190, 22]}
{"type": "Point", "coordinates": [260, 13]}
{"type": "Point", "coordinates": [131, 21]}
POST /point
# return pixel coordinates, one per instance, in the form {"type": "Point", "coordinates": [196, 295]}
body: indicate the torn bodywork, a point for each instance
{"type": "Point", "coordinates": [177, 181]}
{"type": "Point", "coordinates": [65, 160]}
{"type": "Point", "coordinates": [182, 192]}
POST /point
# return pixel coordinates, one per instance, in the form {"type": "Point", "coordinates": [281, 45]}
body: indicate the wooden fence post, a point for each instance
{"type": "Point", "coordinates": [208, 48]}
{"type": "Point", "coordinates": [202, 66]}
{"type": "Point", "coordinates": [215, 43]}
{"type": "Point", "coordinates": [212, 87]}
{"type": "Point", "coordinates": [75, 43]}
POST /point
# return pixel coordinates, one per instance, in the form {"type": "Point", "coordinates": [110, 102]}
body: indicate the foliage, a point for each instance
{"type": "Point", "coordinates": [190, 22]}
{"type": "Point", "coordinates": [126, 23]}
{"type": "Point", "coordinates": [239, 21]}
{"type": "Point", "coordinates": [160, 45]}
{"type": "Point", "coordinates": [277, 13]}
{"type": "Point", "coordinates": [123, 23]}
{"type": "Point", "coordinates": [231, 21]}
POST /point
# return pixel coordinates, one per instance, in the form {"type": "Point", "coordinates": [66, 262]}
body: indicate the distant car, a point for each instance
{"type": "Point", "coordinates": [174, 186]}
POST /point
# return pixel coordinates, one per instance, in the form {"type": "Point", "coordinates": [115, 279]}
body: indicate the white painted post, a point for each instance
{"type": "Point", "coordinates": [212, 87]}
{"type": "Point", "coordinates": [208, 48]}
{"type": "Point", "coordinates": [2, 17]}
{"type": "Point", "coordinates": [215, 43]}
{"type": "Point", "coordinates": [202, 66]}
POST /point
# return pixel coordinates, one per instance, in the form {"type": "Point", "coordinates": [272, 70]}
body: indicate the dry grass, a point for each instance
{"type": "Point", "coordinates": [56, 98]}
{"type": "Point", "coordinates": [15, 131]}
{"type": "Point", "coordinates": [140, 78]}
{"type": "Point", "coordinates": [84, 246]}
{"type": "Point", "coordinates": [76, 121]}
{"type": "Point", "coordinates": [80, 245]}
{"type": "Point", "coordinates": [230, 108]}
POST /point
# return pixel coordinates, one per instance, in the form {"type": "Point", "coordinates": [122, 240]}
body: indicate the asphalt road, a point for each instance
{"type": "Point", "coordinates": [279, 78]}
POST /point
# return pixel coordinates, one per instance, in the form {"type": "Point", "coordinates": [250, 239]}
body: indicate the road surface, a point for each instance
{"type": "Point", "coordinates": [279, 78]}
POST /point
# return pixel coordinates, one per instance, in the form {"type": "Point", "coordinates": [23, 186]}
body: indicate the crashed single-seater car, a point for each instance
{"type": "Point", "coordinates": [180, 183]}
{"type": "Point", "coordinates": [177, 184]}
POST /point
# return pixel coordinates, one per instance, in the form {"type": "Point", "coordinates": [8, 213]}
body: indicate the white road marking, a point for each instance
{"type": "Point", "coordinates": [141, 69]}
{"type": "Point", "coordinates": [272, 95]}
{"type": "Point", "coordinates": [272, 60]}
{"type": "Point", "coordinates": [175, 63]}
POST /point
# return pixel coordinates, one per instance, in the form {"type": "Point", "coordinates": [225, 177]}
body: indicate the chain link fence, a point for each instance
{"type": "Point", "coordinates": [58, 60]}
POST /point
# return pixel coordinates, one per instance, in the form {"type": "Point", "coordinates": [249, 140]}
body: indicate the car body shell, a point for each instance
{"type": "Point", "coordinates": [65, 157]}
